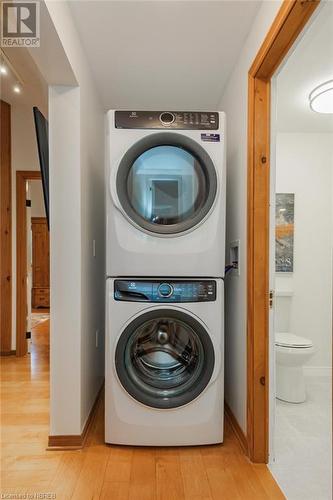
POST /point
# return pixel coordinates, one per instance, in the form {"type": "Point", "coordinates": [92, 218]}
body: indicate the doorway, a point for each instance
{"type": "Point", "coordinates": [301, 266]}
{"type": "Point", "coordinates": [292, 17]}
{"type": "Point", "coordinates": [289, 23]}
{"type": "Point", "coordinates": [38, 277]}
{"type": "Point", "coordinates": [165, 198]}
{"type": "Point", "coordinates": [32, 254]}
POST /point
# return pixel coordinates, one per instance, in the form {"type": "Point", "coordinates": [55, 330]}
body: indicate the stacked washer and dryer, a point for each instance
{"type": "Point", "coordinates": [165, 269]}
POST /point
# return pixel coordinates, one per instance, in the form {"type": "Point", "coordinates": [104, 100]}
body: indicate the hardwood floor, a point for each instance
{"type": "Point", "coordinates": [220, 472]}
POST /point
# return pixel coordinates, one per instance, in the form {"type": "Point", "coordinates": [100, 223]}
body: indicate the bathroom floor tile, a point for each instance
{"type": "Point", "coordinates": [303, 444]}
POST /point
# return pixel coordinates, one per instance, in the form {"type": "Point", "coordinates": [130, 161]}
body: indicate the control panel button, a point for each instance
{"type": "Point", "coordinates": [165, 290]}
{"type": "Point", "coordinates": [167, 118]}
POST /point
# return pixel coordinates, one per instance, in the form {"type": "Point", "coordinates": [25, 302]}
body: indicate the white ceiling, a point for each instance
{"type": "Point", "coordinates": [162, 54]}
{"type": "Point", "coordinates": [34, 90]}
{"type": "Point", "coordinates": [309, 64]}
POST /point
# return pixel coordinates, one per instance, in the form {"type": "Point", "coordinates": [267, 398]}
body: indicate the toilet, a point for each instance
{"type": "Point", "coordinates": [291, 352]}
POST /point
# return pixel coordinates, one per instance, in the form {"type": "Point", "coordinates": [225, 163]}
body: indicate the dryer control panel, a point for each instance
{"type": "Point", "coordinates": [165, 291]}
{"type": "Point", "coordinates": [179, 120]}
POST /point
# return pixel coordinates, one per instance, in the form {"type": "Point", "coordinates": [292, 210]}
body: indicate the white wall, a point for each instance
{"type": "Point", "coordinates": [304, 166]}
{"type": "Point", "coordinates": [65, 260]}
{"type": "Point", "coordinates": [234, 103]}
{"type": "Point", "coordinates": [76, 129]}
{"type": "Point", "coordinates": [37, 198]}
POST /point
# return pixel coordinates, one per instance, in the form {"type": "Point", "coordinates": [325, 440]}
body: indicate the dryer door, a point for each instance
{"type": "Point", "coordinates": [164, 358]}
{"type": "Point", "coordinates": [166, 183]}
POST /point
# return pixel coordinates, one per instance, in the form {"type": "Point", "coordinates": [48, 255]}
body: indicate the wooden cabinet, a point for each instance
{"type": "Point", "coordinates": [40, 263]}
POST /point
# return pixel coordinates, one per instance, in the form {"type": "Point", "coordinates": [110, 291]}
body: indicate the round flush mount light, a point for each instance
{"type": "Point", "coordinates": [17, 88]}
{"type": "Point", "coordinates": [3, 69]}
{"type": "Point", "coordinates": [321, 98]}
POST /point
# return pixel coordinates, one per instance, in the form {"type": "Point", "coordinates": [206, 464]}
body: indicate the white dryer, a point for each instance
{"type": "Point", "coordinates": [165, 193]}
{"type": "Point", "coordinates": [164, 362]}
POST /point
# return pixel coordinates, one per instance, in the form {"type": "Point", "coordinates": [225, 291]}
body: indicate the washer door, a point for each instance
{"type": "Point", "coordinates": [164, 358]}
{"type": "Point", "coordinates": [166, 183]}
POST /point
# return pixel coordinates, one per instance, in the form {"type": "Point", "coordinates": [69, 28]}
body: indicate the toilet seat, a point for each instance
{"type": "Point", "coordinates": [292, 341]}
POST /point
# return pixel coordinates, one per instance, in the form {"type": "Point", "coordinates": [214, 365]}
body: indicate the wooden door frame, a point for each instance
{"type": "Point", "coordinates": [289, 22]}
{"type": "Point", "coordinates": [22, 176]}
{"type": "Point", "coordinates": [6, 232]}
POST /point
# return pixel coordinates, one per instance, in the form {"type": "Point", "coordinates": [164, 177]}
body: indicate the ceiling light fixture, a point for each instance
{"type": "Point", "coordinates": [321, 98]}
{"type": "Point", "coordinates": [17, 88]}
{"type": "Point", "coordinates": [6, 67]}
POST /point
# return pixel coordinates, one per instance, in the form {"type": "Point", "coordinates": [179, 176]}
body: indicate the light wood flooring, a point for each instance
{"type": "Point", "coordinates": [100, 471]}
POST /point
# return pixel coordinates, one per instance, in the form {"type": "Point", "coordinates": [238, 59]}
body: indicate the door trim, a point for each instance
{"type": "Point", "coordinates": [6, 232]}
{"type": "Point", "coordinates": [289, 22]}
{"type": "Point", "coordinates": [22, 176]}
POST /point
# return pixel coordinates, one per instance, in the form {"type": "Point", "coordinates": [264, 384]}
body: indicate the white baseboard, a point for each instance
{"type": "Point", "coordinates": [317, 371]}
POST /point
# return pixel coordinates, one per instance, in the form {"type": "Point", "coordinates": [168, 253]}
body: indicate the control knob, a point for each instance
{"type": "Point", "coordinates": [167, 118]}
{"type": "Point", "coordinates": [165, 290]}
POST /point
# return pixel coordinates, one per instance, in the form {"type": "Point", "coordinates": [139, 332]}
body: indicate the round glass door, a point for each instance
{"type": "Point", "coordinates": [164, 359]}
{"type": "Point", "coordinates": [166, 183]}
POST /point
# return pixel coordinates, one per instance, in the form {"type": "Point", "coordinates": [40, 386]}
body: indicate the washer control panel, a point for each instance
{"type": "Point", "coordinates": [179, 120]}
{"type": "Point", "coordinates": [165, 291]}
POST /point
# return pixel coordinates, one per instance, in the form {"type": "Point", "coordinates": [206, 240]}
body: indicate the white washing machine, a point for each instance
{"type": "Point", "coordinates": [164, 362]}
{"type": "Point", "coordinates": [166, 193]}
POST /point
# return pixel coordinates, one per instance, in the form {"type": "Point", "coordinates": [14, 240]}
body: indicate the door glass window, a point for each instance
{"type": "Point", "coordinates": [164, 361]}
{"type": "Point", "coordinates": [166, 185]}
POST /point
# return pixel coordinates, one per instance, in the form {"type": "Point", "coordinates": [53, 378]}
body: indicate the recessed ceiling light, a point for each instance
{"type": "Point", "coordinates": [17, 88]}
{"type": "Point", "coordinates": [321, 98]}
{"type": "Point", "coordinates": [3, 69]}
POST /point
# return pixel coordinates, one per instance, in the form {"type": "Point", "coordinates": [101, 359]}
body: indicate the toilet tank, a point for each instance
{"type": "Point", "coordinates": [282, 318]}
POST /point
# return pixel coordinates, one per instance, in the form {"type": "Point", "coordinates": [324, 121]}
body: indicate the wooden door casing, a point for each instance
{"type": "Point", "coordinates": [288, 24]}
{"type": "Point", "coordinates": [6, 232]}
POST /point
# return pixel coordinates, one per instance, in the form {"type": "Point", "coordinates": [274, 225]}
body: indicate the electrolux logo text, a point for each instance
{"type": "Point", "coordinates": [20, 24]}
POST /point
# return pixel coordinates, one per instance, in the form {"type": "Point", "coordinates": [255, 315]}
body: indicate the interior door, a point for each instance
{"type": "Point", "coordinates": [165, 198]}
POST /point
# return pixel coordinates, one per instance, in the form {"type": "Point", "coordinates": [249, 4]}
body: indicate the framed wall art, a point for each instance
{"type": "Point", "coordinates": [284, 232]}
